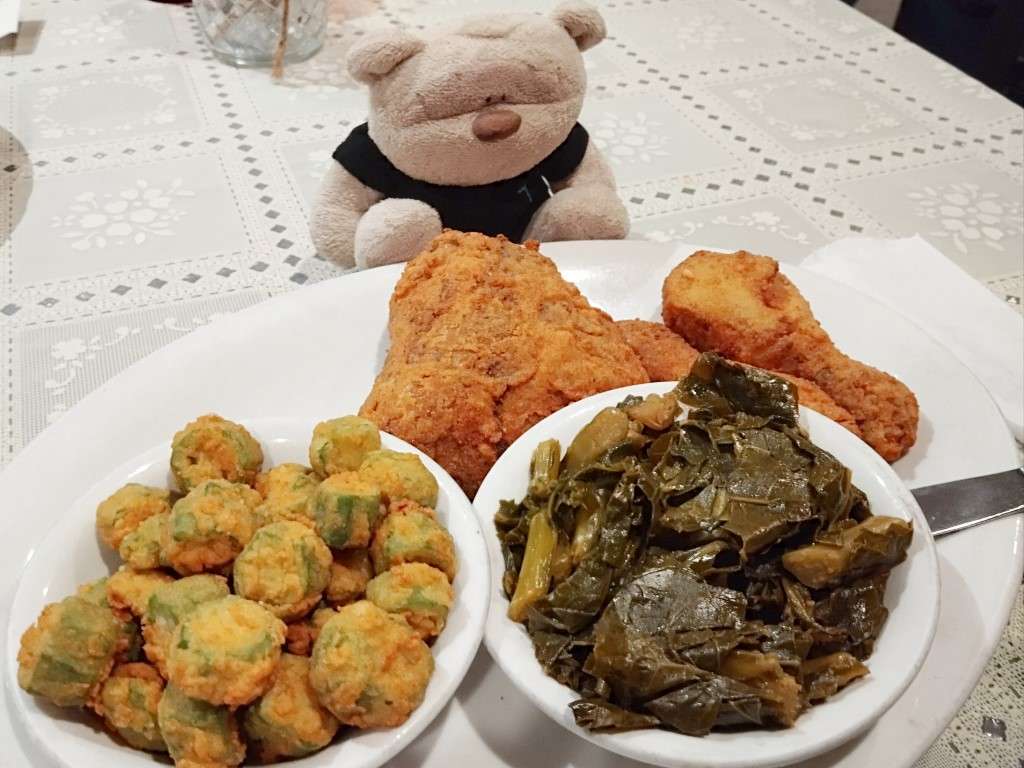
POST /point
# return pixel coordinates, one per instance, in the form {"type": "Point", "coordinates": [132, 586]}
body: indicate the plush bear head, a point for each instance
{"type": "Point", "coordinates": [482, 101]}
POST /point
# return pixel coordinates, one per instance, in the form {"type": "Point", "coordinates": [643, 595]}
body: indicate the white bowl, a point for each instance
{"type": "Point", "coordinates": [912, 598]}
{"type": "Point", "coordinates": [71, 554]}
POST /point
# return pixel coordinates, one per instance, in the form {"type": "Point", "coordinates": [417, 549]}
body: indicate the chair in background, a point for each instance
{"type": "Point", "coordinates": [984, 38]}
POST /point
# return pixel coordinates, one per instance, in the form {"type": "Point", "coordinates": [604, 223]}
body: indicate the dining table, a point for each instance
{"type": "Point", "coordinates": [147, 188]}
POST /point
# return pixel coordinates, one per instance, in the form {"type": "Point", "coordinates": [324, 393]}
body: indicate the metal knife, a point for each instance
{"type": "Point", "coordinates": [951, 507]}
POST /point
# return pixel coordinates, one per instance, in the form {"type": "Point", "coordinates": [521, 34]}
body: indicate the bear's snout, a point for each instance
{"type": "Point", "coordinates": [495, 124]}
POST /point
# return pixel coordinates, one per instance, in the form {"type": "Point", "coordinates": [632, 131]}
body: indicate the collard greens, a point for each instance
{"type": "Point", "coordinates": [694, 572]}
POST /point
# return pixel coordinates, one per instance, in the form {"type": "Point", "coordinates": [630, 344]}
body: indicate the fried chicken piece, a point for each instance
{"type": "Point", "coordinates": [742, 307]}
{"type": "Point", "coordinates": [668, 357]}
{"type": "Point", "coordinates": [817, 399]}
{"type": "Point", "coordinates": [486, 340]}
{"type": "Point", "coordinates": [665, 355]}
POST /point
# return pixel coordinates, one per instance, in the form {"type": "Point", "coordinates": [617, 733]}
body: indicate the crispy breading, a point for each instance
{"type": "Point", "coordinates": [817, 399]}
{"type": "Point", "coordinates": [668, 357]}
{"type": "Point", "coordinates": [665, 354]}
{"type": "Point", "coordinates": [486, 340]}
{"type": "Point", "coordinates": [742, 307]}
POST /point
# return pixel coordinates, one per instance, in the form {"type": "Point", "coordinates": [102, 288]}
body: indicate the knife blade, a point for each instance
{"type": "Point", "coordinates": [951, 507]}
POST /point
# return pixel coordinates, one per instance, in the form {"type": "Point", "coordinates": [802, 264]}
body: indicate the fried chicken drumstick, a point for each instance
{"type": "Point", "coordinates": [740, 306]}
{"type": "Point", "coordinates": [668, 357]}
{"type": "Point", "coordinates": [486, 340]}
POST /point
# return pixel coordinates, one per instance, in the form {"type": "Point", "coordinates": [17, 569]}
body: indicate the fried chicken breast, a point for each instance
{"type": "Point", "coordinates": [742, 307]}
{"type": "Point", "coordinates": [666, 356]}
{"type": "Point", "coordinates": [486, 340]}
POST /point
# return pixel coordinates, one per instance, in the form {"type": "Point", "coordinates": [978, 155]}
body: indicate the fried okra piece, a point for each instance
{"type": "Point", "coordinates": [399, 476]}
{"type": "Point", "coordinates": [95, 592]}
{"type": "Point", "coordinates": [419, 593]}
{"type": "Point", "coordinates": [285, 489]}
{"type": "Point", "coordinates": [209, 527]}
{"type": "Point", "coordinates": [288, 720]}
{"type": "Point", "coordinates": [68, 653]}
{"type": "Point", "coordinates": [410, 533]}
{"type": "Point", "coordinates": [284, 568]}
{"type": "Point", "coordinates": [128, 704]}
{"type": "Point", "coordinates": [346, 509]}
{"type": "Point", "coordinates": [351, 570]}
{"type": "Point", "coordinates": [169, 604]}
{"type": "Point", "coordinates": [369, 668]}
{"type": "Point", "coordinates": [199, 734]}
{"type": "Point", "coordinates": [225, 651]}
{"type": "Point", "coordinates": [130, 645]}
{"type": "Point", "coordinates": [129, 590]}
{"type": "Point", "coordinates": [140, 549]}
{"type": "Point", "coordinates": [125, 510]}
{"type": "Point", "coordinates": [302, 635]}
{"type": "Point", "coordinates": [340, 445]}
{"type": "Point", "coordinates": [213, 448]}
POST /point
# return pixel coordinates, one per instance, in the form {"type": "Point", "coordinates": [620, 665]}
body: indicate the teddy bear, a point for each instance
{"type": "Point", "coordinates": [473, 128]}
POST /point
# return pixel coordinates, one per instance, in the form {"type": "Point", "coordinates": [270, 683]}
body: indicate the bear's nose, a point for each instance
{"type": "Point", "coordinates": [495, 124]}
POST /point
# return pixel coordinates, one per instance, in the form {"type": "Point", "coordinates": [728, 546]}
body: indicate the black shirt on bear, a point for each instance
{"type": "Point", "coordinates": [501, 208]}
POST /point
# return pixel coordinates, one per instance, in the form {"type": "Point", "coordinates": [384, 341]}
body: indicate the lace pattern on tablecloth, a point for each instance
{"type": "Point", "coordinates": [988, 732]}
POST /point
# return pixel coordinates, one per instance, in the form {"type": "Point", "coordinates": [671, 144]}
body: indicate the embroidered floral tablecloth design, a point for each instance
{"type": "Point", "coordinates": [146, 188]}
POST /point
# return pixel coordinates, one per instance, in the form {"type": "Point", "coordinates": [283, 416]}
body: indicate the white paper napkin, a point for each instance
{"type": "Point", "coordinates": [9, 10]}
{"type": "Point", "coordinates": [916, 280]}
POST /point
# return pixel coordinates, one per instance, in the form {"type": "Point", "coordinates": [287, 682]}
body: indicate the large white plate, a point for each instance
{"type": "Point", "coordinates": [317, 350]}
{"type": "Point", "coordinates": [71, 555]}
{"type": "Point", "coordinates": [912, 597]}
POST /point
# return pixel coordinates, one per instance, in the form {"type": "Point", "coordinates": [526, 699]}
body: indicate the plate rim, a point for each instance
{"type": "Point", "coordinates": [477, 591]}
{"type": "Point", "coordinates": [499, 627]}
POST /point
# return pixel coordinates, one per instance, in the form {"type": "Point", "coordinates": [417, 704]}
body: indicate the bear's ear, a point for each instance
{"type": "Point", "coordinates": [582, 21]}
{"type": "Point", "coordinates": [380, 53]}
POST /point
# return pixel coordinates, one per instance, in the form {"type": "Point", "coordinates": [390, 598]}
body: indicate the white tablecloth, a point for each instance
{"type": "Point", "coordinates": [145, 187]}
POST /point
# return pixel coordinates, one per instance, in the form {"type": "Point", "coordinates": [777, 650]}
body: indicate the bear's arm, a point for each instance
{"type": "Point", "coordinates": [584, 206]}
{"type": "Point", "coordinates": [341, 202]}
{"type": "Point", "coordinates": [592, 170]}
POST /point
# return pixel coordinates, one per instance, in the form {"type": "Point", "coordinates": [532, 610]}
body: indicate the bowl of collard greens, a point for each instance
{"type": "Point", "coordinates": [702, 574]}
